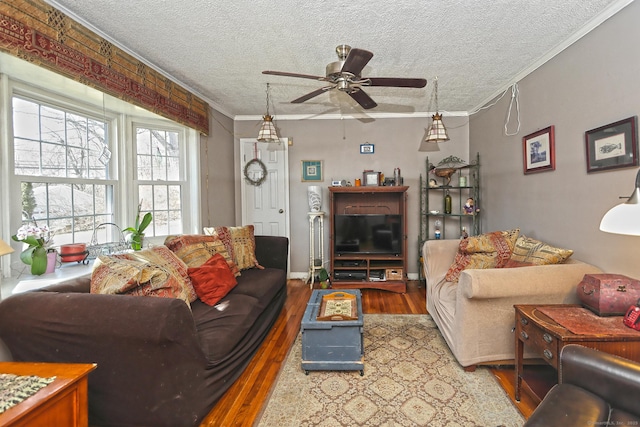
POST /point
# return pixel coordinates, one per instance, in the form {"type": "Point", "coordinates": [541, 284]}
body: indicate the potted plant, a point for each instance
{"type": "Point", "coordinates": [136, 233]}
{"type": "Point", "coordinates": [38, 238]}
{"type": "Point", "coordinates": [323, 278]}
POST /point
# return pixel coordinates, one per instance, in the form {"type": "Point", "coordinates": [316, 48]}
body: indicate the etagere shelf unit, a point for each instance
{"type": "Point", "coordinates": [433, 213]}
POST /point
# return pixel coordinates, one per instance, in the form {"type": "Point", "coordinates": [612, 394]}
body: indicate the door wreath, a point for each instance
{"type": "Point", "coordinates": [261, 174]}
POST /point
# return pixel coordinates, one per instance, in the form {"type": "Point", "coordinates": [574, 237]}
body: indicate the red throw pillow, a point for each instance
{"type": "Point", "coordinates": [212, 280]}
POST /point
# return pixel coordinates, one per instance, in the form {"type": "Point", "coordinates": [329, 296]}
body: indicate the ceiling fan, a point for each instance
{"type": "Point", "coordinates": [344, 75]}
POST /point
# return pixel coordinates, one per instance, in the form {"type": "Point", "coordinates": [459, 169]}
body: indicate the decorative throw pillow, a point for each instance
{"type": "Point", "coordinates": [242, 244]}
{"type": "Point", "coordinates": [151, 272]}
{"type": "Point", "coordinates": [196, 249]}
{"type": "Point", "coordinates": [528, 251]}
{"type": "Point", "coordinates": [224, 234]}
{"type": "Point", "coordinates": [212, 280]}
{"type": "Point", "coordinates": [490, 250]}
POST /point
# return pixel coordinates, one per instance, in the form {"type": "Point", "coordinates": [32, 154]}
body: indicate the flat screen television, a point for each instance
{"type": "Point", "coordinates": [367, 234]}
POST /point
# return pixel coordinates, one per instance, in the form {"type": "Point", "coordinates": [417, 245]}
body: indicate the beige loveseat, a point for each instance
{"type": "Point", "coordinates": [476, 315]}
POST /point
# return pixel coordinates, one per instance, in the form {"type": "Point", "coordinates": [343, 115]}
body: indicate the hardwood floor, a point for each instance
{"type": "Point", "coordinates": [242, 403]}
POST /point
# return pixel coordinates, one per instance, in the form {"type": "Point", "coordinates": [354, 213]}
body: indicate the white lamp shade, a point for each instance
{"type": "Point", "coordinates": [267, 131]}
{"type": "Point", "coordinates": [5, 249]}
{"type": "Point", "coordinates": [437, 131]}
{"type": "Point", "coordinates": [624, 218]}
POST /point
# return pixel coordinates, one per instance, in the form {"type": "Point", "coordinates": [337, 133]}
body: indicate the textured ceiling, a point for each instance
{"type": "Point", "coordinates": [218, 49]}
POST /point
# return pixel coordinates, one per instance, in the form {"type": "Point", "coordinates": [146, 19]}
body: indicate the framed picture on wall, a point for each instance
{"type": "Point", "coordinates": [612, 146]}
{"type": "Point", "coordinates": [538, 151]}
{"type": "Point", "coordinates": [312, 170]}
{"type": "Point", "coordinates": [367, 148]}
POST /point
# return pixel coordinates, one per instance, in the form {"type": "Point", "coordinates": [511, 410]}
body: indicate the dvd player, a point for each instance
{"type": "Point", "coordinates": [350, 275]}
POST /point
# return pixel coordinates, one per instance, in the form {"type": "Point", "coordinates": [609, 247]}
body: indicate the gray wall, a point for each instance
{"type": "Point", "coordinates": [337, 144]}
{"type": "Point", "coordinates": [217, 171]}
{"type": "Point", "coordinates": [592, 83]}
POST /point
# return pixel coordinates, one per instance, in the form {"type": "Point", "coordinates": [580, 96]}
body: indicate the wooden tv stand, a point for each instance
{"type": "Point", "coordinates": [361, 271]}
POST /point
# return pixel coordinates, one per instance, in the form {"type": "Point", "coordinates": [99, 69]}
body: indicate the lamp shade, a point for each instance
{"type": "Point", "coordinates": [267, 131]}
{"type": "Point", "coordinates": [624, 218]}
{"type": "Point", "coordinates": [437, 131]}
{"type": "Point", "coordinates": [5, 249]}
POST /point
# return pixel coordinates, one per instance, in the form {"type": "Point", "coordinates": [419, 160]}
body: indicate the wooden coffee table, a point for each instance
{"type": "Point", "coordinates": [547, 337]}
{"type": "Point", "coordinates": [63, 403]}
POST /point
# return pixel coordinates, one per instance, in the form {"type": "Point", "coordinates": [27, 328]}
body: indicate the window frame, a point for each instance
{"type": "Point", "coordinates": [120, 118]}
{"type": "Point", "coordinates": [183, 180]}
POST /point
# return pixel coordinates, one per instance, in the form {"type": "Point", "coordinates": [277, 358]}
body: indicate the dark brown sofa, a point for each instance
{"type": "Point", "coordinates": [595, 389]}
{"type": "Point", "coordinates": [159, 363]}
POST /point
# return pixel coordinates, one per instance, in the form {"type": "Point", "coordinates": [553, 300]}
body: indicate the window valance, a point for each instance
{"type": "Point", "coordinates": [43, 35]}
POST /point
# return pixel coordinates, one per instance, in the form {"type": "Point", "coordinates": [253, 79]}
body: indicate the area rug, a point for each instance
{"type": "Point", "coordinates": [410, 379]}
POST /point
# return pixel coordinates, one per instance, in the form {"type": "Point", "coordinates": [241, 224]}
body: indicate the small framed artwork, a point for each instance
{"type": "Point", "coordinates": [312, 170]}
{"type": "Point", "coordinates": [370, 178]}
{"type": "Point", "coordinates": [612, 146]}
{"type": "Point", "coordinates": [538, 151]}
{"type": "Point", "coordinates": [367, 148]}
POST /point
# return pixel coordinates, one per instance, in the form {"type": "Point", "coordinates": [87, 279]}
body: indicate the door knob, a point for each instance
{"type": "Point", "coordinates": [281, 211]}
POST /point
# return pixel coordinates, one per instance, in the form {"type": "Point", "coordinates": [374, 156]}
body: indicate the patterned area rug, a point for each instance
{"type": "Point", "coordinates": [410, 379]}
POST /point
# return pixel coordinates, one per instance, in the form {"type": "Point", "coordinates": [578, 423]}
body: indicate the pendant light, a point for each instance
{"type": "Point", "coordinates": [623, 218]}
{"type": "Point", "coordinates": [437, 131]}
{"type": "Point", "coordinates": [267, 131]}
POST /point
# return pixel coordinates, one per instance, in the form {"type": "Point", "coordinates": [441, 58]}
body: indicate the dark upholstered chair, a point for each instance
{"type": "Point", "coordinates": [595, 389]}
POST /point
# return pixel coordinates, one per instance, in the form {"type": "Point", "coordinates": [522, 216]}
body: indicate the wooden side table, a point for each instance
{"type": "Point", "coordinates": [62, 403]}
{"type": "Point", "coordinates": [547, 338]}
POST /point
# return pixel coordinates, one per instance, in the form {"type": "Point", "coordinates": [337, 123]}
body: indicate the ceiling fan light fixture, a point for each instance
{"type": "Point", "coordinates": [267, 132]}
{"type": "Point", "coordinates": [345, 76]}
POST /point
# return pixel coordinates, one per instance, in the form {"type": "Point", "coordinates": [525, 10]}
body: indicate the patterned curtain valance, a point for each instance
{"type": "Point", "coordinates": [41, 34]}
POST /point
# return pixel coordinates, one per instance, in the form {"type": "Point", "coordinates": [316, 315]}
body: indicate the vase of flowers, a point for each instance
{"type": "Point", "coordinates": [38, 239]}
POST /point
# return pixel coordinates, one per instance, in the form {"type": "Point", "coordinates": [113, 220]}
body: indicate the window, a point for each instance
{"type": "Point", "coordinates": [61, 160]}
{"type": "Point", "coordinates": [159, 173]}
{"type": "Point", "coordinates": [69, 159]}
{"type": "Point", "coordinates": [65, 164]}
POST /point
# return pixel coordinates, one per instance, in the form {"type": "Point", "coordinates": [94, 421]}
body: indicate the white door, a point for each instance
{"type": "Point", "coordinates": [265, 204]}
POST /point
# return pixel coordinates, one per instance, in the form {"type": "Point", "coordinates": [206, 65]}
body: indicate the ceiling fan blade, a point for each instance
{"type": "Point", "coordinates": [363, 99]}
{"type": "Point", "coordinates": [311, 95]}
{"type": "Point", "coordinates": [397, 82]}
{"type": "Point", "coordinates": [302, 76]}
{"type": "Point", "coordinates": [356, 61]}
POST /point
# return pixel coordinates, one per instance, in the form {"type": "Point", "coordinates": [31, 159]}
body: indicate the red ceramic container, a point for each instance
{"type": "Point", "coordinates": [74, 252]}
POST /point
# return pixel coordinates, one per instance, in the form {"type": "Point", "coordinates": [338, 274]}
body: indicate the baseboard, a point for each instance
{"type": "Point", "coordinates": [305, 275]}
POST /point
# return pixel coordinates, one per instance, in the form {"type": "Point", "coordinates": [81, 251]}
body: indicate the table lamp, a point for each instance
{"type": "Point", "coordinates": [624, 218]}
{"type": "Point", "coordinates": [5, 249]}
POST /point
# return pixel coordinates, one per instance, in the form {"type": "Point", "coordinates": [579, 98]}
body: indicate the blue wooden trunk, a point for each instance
{"type": "Point", "coordinates": [332, 345]}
